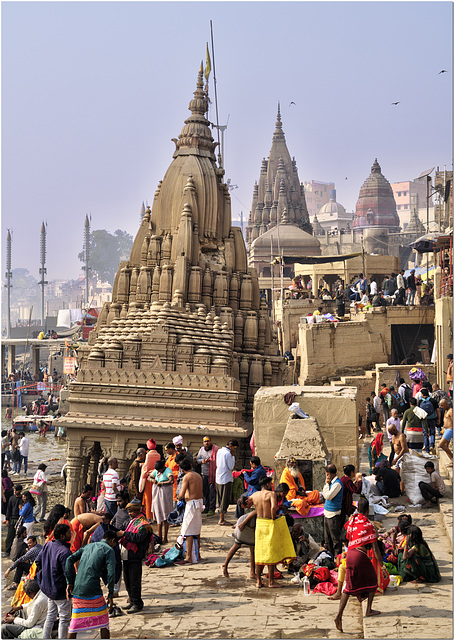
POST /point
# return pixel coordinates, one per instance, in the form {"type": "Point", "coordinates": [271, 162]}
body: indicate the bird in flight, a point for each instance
{"type": "Point", "coordinates": [395, 103]}
{"type": "Point", "coordinates": [442, 71]}
{"type": "Point", "coordinates": [346, 178]}
{"type": "Point", "coordinates": [292, 103]}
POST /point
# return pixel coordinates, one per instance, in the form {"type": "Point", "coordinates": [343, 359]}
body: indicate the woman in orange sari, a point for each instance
{"type": "Point", "coordinates": [145, 485]}
{"type": "Point", "coordinates": [170, 462]}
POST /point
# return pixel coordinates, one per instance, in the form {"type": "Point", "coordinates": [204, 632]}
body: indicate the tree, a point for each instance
{"type": "Point", "coordinates": [106, 251]}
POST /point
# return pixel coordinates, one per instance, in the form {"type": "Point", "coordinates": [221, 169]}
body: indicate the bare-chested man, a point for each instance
{"type": "Point", "coordinates": [399, 442]}
{"type": "Point", "coordinates": [447, 425]}
{"type": "Point", "coordinates": [83, 526]}
{"type": "Point", "coordinates": [273, 542]}
{"type": "Point", "coordinates": [81, 503]}
{"type": "Point", "coordinates": [192, 492]}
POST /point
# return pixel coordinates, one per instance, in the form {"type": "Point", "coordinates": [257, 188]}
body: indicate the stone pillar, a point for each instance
{"type": "Point", "coordinates": [35, 359]}
{"type": "Point", "coordinates": [73, 479]}
{"type": "Point", "coordinates": [3, 359]}
{"type": "Point", "coordinates": [12, 358]}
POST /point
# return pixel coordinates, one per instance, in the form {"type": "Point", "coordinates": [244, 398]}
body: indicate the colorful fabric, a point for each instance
{"type": "Point", "coordinates": [273, 542]}
{"type": "Point", "coordinates": [360, 576]}
{"type": "Point", "coordinates": [304, 505]}
{"type": "Point", "coordinates": [20, 597]}
{"type": "Point", "coordinates": [360, 531]}
{"type": "Point", "coordinates": [212, 464]}
{"type": "Point", "coordinates": [382, 573]}
{"type": "Point", "coordinates": [313, 512]}
{"type": "Point", "coordinates": [377, 444]}
{"type": "Point", "coordinates": [78, 537]}
{"type": "Point", "coordinates": [192, 520]}
{"type": "Point", "coordinates": [135, 526]}
{"type": "Point", "coordinates": [89, 613]}
{"type": "Point", "coordinates": [421, 566]}
{"type": "Point", "coordinates": [170, 462]}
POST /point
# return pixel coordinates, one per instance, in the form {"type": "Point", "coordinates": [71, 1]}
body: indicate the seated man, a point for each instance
{"type": "Point", "coordinates": [436, 489]}
{"type": "Point", "coordinates": [388, 480]}
{"type": "Point", "coordinates": [23, 563]}
{"type": "Point", "coordinates": [27, 620]}
{"type": "Point", "coordinates": [293, 478]}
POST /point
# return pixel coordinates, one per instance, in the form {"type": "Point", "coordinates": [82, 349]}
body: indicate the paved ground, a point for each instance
{"type": "Point", "coordinates": [197, 602]}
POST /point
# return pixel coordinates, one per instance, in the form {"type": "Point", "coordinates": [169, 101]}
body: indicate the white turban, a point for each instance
{"type": "Point", "coordinates": [177, 440]}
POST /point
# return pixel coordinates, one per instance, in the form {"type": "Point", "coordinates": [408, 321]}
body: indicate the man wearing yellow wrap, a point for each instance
{"type": "Point", "coordinates": [273, 543]}
{"type": "Point", "coordinates": [301, 500]}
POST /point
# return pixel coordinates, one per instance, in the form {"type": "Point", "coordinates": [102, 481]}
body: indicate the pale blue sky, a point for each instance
{"type": "Point", "coordinates": [93, 92]}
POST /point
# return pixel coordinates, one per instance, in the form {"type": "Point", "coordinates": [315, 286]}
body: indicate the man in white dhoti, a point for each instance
{"type": "Point", "coordinates": [192, 493]}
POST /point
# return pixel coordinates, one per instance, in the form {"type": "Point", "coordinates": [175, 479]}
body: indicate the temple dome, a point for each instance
{"type": "Point", "coordinates": [331, 208]}
{"type": "Point", "coordinates": [376, 206]}
{"type": "Point", "coordinates": [291, 240]}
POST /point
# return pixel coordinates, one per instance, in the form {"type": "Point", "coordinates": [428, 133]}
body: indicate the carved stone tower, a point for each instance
{"type": "Point", "coordinates": [186, 341]}
{"type": "Point", "coordinates": [277, 190]}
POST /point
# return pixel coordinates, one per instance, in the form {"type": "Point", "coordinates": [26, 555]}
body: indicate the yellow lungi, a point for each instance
{"type": "Point", "coordinates": [273, 542]}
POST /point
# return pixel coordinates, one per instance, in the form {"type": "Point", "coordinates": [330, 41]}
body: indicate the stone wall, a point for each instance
{"type": "Point", "coordinates": [330, 350]}
{"type": "Point", "coordinates": [334, 410]}
{"type": "Point", "coordinates": [386, 374]}
{"type": "Point", "coordinates": [364, 384]}
{"type": "Point", "coordinates": [443, 335]}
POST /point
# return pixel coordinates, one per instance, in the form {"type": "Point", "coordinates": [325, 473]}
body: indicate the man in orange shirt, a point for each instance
{"type": "Point", "coordinates": [295, 481]}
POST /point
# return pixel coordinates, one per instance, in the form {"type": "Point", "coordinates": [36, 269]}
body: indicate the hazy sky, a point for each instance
{"type": "Point", "coordinates": [93, 92]}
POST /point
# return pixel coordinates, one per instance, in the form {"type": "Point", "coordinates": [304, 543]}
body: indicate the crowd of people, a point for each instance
{"type": "Point", "coordinates": [119, 523]}
{"type": "Point", "coordinates": [396, 290]}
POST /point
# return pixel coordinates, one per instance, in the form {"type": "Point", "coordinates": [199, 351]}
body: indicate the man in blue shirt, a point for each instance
{"type": "Point", "coordinates": [51, 563]}
{"type": "Point", "coordinates": [252, 478]}
{"type": "Point", "coordinates": [96, 561]}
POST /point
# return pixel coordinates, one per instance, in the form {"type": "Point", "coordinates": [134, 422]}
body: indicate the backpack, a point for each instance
{"type": "Point", "coordinates": [428, 407]}
{"type": "Point", "coordinates": [401, 404]}
{"type": "Point", "coordinates": [408, 393]}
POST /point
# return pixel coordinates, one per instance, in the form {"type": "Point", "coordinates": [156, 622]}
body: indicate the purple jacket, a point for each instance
{"type": "Point", "coordinates": [51, 564]}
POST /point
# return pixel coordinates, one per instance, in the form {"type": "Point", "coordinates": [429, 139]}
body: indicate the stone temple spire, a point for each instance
{"type": "Point", "coordinates": [196, 132]}
{"type": "Point", "coordinates": [280, 175]}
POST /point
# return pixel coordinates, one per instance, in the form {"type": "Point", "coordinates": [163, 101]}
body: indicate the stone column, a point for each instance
{"type": "Point", "coordinates": [73, 480]}
{"type": "Point", "coordinates": [12, 358]}
{"type": "Point", "coordinates": [3, 358]}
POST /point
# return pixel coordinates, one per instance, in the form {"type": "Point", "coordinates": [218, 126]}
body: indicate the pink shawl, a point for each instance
{"type": "Point", "coordinates": [212, 465]}
{"type": "Point", "coordinates": [150, 460]}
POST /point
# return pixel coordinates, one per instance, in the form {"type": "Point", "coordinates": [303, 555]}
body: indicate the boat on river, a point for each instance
{"type": "Point", "coordinates": [32, 423]}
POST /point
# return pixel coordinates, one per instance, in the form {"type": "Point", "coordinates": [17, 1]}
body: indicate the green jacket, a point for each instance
{"type": "Point", "coordinates": [96, 559]}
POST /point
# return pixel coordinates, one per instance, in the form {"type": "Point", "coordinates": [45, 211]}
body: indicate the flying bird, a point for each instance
{"type": "Point", "coordinates": [395, 103]}
{"type": "Point", "coordinates": [292, 103]}
{"type": "Point", "coordinates": [346, 178]}
{"type": "Point", "coordinates": [442, 71]}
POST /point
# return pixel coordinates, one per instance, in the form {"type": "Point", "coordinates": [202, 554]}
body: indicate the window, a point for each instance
{"type": "Point", "coordinates": [405, 193]}
{"type": "Point", "coordinates": [399, 193]}
{"type": "Point", "coordinates": [398, 207]}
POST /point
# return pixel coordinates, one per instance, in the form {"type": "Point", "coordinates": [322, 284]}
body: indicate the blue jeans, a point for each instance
{"type": "Point", "coordinates": [429, 436]}
{"type": "Point", "coordinates": [411, 296]}
{"type": "Point", "coordinates": [23, 459]}
{"type": "Point", "coordinates": [111, 506]}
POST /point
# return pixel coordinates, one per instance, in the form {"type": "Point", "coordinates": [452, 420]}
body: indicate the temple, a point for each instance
{"type": "Point", "coordinates": [376, 206]}
{"type": "Point", "coordinates": [277, 190]}
{"type": "Point", "coordinates": [186, 341]}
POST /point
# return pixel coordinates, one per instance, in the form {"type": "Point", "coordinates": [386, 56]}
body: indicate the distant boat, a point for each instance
{"type": "Point", "coordinates": [22, 423]}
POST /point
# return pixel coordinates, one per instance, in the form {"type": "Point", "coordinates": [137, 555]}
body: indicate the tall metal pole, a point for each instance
{"type": "Point", "coordinates": [427, 227]}
{"type": "Point", "coordinates": [8, 284]}
{"type": "Point", "coordinates": [42, 273]}
{"type": "Point", "coordinates": [86, 256]}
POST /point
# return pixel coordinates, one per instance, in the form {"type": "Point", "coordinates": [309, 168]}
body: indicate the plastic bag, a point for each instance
{"type": "Point", "coordinates": [296, 409]}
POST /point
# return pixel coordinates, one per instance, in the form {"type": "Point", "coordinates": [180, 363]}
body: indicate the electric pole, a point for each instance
{"type": "Point", "coordinates": [8, 284]}
{"type": "Point", "coordinates": [42, 273]}
{"type": "Point", "coordinates": [86, 256]}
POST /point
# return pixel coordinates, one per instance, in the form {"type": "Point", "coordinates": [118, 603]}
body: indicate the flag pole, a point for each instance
{"type": "Point", "coordinates": [215, 90]}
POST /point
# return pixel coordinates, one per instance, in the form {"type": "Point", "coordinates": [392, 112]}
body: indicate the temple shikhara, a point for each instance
{"type": "Point", "coordinates": [186, 341]}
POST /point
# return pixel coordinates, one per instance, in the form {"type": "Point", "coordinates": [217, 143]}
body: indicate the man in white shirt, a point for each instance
{"type": "Point", "coordinates": [24, 445]}
{"type": "Point", "coordinates": [225, 463]}
{"type": "Point", "coordinates": [111, 480]}
{"type": "Point", "coordinates": [27, 620]}
{"type": "Point", "coordinates": [373, 288]}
